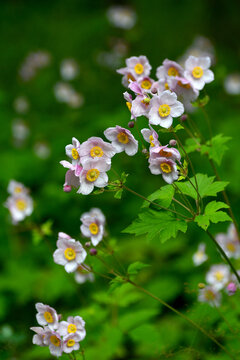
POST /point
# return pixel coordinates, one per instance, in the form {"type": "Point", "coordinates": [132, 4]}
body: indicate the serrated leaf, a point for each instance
{"type": "Point", "coordinates": [215, 148]}
{"type": "Point", "coordinates": [212, 214]}
{"type": "Point", "coordinates": [206, 186]}
{"type": "Point", "coordinates": [134, 268]}
{"type": "Point", "coordinates": [192, 145]}
{"type": "Point", "coordinates": [159, 225]}
{"type": "Point", "coordinates": [118, 194]}
{"type": "Point", "coordinates": [115, 283]}
{"type": "Point", "coordinates": [163, 196]}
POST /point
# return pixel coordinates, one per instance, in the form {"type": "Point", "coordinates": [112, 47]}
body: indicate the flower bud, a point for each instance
{"type": "Point", "coordinates": [131, 124]}
{"type": "Point", "coordinates": [201, 286]}
{"type": "Point", "coordinates": [88, 244]}
{"type": "Point", "coordinates": [172, 142]}
{"type": "Point", "coordinates": [67, 188]}
{"type": "Point", "coordinates": [183, 117]}
{"type": "Point", "coordinates": [93, 252]}
{"type": "Point", "coordinates": [154, 90]}
{"type": "Point", "coordinates": [231, 288]}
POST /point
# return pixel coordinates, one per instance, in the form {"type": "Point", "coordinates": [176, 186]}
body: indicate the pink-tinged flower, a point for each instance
{"type": "Point", "coordinates": [231, 288]}
{"type": "Point", "coordinates": [218, 276]}
{"type": "Point", "coordinates": [20, 206]}
{"type": "Point", "coordinates": [72, 151]}
{"type": "Point", "coordinates": [164, 152]}
{"type": "Point", "coordinates": [137, 68]}
{"type": "Point", "coordinates": [185, 91]}
{"type": "Point", "coordinates": [229, 242]}
{"type": "Point", "coordinates": [128, 98]}
{"type": "Point", "coordinates": [70, 343]}
{"type": "Point", "coordinates": [69, 253]}
{"type": "Point", "coordinates": [150, 136]}
{"type": "Point", "coordinates": [93, 225]}
{"type": "Point", "coordinates": [16, 188]}
{"type": "Point", "coordinates": [163, 108]}
{"type": "Point", "coordinates": [95, 149]}
{"type": "Point", "coordinates": [166, 167]}
{"type": "Point", "coordinates": [71, 180]}
{"type": "Point", "coordinates": [38, 338]}
{"type": "Point", "coordinates": [55, 343]}
{"type": "Point", "coordinates": [197, 71]}
{"type": "Point", "coordinates": [146, 84]}
{"type": "Point", "coordinates": [94, 174]}
{"type": "Point", "coordinates": [122, 140]}
{"type": "Point", "coordinates": [74, 325]}
{"type": "Point", "coordinates": [210, 295]}
{"type": "Point", "coordinates": [169, 69]}
{"type": "Point", "coordinates": [200, 256]}
{"type": "Point", "coordinates": [140, 105]}
{"type": "Point", "coordinates": [47, 316]}
{"type": "Point", "coordinates": [77, 168]}
{"type": "Point", "coordinates": [82, 274]}
{"type": "Point", "coordinates": [160, 85]}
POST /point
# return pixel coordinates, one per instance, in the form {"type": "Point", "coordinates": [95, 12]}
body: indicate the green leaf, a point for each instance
{"type": "Point", "coordinates": [206, 186]}
{"type": "Point", "coordinates": [163, 196]}
{"type": "Point", "coordinates": [201, 102]}
{"type": "Point", "coordinates": [118, 194]}
{"type": "Point", "coordinates": [46, 227]}
{"type": "Point", "coordinates": [36, 236]}
{"type": "Point", "coordinates": [115, 283]}
{"type": "Point", "coordinates": [212, 214]}
{"type": "Point", "coordinates": [134, 268]}
{"type": "Point", "coordinates": [191, 145]}
{"type": "Point", "coordinates": [171, 129]}
{"type": "Point", "coordinates": [215, 148]}
{"type": "Point", "coordinates": [159, 225]}
{"type": "Point", "coordinates": [124, 177]}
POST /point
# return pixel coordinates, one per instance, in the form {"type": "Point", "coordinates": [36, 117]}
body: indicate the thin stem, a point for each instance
{"type": "Point", "coordinates": [185, 199]}
{"type": "Point", "coordinates": [111, 271]}
{"type": "Point", "coordinates": [97, 273]}
{"type": "Point", "coordinates": [151, 202]}
{"type": "Point", "coordinates": [111, 252]}
{"type": "Point", "coordinates": [225, 320]}
{"type": "Point", "coordinates": [183, 317]}
{"type": "Point", "coordinates": [224, 256]}
{"type": "Point", "coordinates": [191, 134]}
{"type": "Point", "coordinates": [208, 122]}
{"type": "Point", "coordinates": [185, 207]}
{"type": "Point", "coordinates": [83, 354]}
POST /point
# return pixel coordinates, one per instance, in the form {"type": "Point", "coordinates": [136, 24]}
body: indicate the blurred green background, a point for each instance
{"type": "Point", "coordinates": [126, 325]}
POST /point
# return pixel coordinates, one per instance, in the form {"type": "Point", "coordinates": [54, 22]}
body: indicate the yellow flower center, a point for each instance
{"type": "Point", "coordinates": [71, 328]}
{"type": "Point", "coordinates": [209, 295]}
{"type": "Point", "coordinates": [166, 86]}
{"type": "Point", "coordinates": [146, 84]}
{"type": "Point", "coordinates": [197, 72]}
{"type": "Point", "coordinates": [123, 138]}
{"type": "Point", "coordinates": [70, 254]}
{"type": "Point", "coordinates": [231, 247]}
{"type": "Point", "coordinates": [129, 105]}
{"type": "Point", "coordinates": [96, 151]}
{"type": "Point", "coordinates": [219, 275]}
{"type": "Point", "coordinates": [164, 110]}
{"type": "Point", "coordinates": [21, 204]}
{"type": "Point", "coordinates": [92, 174]}
{"type": "Point", "coordinates": [18, 189]}
{"type": "Point", "coordinates": [164, 153]}
{"type": "Point", "coordinates": [151, 139]}
{"type": "Point", "coordinates": [54, 340]}
{"type": "Point", "coordinates": [93, 227]}
{"type": "Point", "coordinates": [75, 154]}
{"type": "Point", "coordinates": [138, 69]}
{"type": "Point", "coordinates": [172, 71]}
{"type": "Point", "coordinates": [48, 317]}
{"type": "Point", "coordinates": [185, 86]}
{"type": "Point", "coordinates": [166, 168]}
{"type": "Point", "coordinates": [70, 343]}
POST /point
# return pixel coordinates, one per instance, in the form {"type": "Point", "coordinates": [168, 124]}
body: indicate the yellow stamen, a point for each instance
{"type": "Point", "coordinates": [93, 227]}
{"type": "Point", "coordinates": [21, 204]}
{"type": "Point", "coordinates": [231, 247]}
{"type": "Point", "coordinates": [123, 138]}
{"type": "Point", "coordinates": [96, 151]}
{"type": "Point", "coordinates": [219, 275]}
{"type": "Point", "coordinates": [71, 328]}
{"type": "Point", "coordinates": [54, 340]}
{"type": "Point", "coordinates": [70, 343]}
{"type": "Point", "coordinates": [48, 317]}
{"type": "Point", "coordinates": [129, 105]}
{"type": "Point", "coordinates": [75, 154]}
{"type": "Point", "coordinates": [197, 72]}
{"type": "Point", "coordinates": [151, 139]}
{"type": "Point", "coordinates": [172, 71]}
{"type": "Point", "coordinates": [138, 68]}
{"type": "Point", "coordinates": [146, 84]}
{"type": "Point", "coordinates": [164, 110]}
{"type": "Point", "coordinates": [166, 168]}
{"type": "Point", "coordinates": [18, 189]}
{"type": "Point", "coordinates": [92, 174]}
{"type": "Point", "coordinates": [185, 86]}
{"type": "Point", "coordinates": [70, 254]}
{"type": "Point", "coordinates": [166, 86]}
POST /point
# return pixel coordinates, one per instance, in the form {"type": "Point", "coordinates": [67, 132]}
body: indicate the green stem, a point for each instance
{"type": "Point", "coordinates": [185, 207]}
{"type": "Point", "coordinates": [185, 199]}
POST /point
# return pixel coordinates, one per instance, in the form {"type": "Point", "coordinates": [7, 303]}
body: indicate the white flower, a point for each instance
{"type": "Point", "coordinates": [93, 225]}
{"type": "Point", "coordinates": [229, 242]}
{"type": "Point", "coordinates": [72, 151]}
{"type": "Point", "coordinates": [150, 136]}
{"type": "Point", "coordinates": [210, 295]}
{"type": "Point", "coordinates": [42, 150]}
{"type": "Point", "coordinates": [73, 326]}
{"type": "Point", "coordinates": [122, 17]}
{"type": "Point", "coordinates": [95, 149]}
{"type": "Point", "coordinates": [47, 316]}
{"type": "Point", "coordinates": [69, 69]}
{"type": "Point", "coordinates": [38, 338]}
{"type": "Point", "coordinates": [94, 174]}
{"type": "Point", "coordinates": [54, 341]}
{"type": "Point", "coordinates": [21, 105]}
{"type": "Point", "coordinates": [82, 275]}
{"type": "Point", "coordinates": [70, 343]}
{"type": "Point", "coordinates": [232, 84]}
{"type": "Point", "coordinates": [70, 253]}
{"type": "Point", "coordinates": [16, 188]}
{"type": "Point", "coordinates": [122, 140]}
{"type": "Point", "coordinates": [218, 276]}
{"type": "Point", "coordinates": [163, 108]}
{"type": "Point", "coordinates": [169, 69]}
{"type": "Point", "coordinates": [20, 131]}
{"type": "Point", "coordinates": [197, 71]}
{"type": "Point", "coordinates": [200, 256]}
{"type": "Point", "coordinates": [20, 206]}
{"type": "Point", "coordinates": [166, 167]}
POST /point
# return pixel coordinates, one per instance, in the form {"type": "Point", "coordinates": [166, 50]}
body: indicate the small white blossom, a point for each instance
{"type": "Point", "coordinates": [218, 276]}
{"type": "Point", "coordinates": [200, 256]}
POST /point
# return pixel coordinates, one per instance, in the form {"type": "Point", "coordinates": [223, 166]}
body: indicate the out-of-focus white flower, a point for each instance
{"type": "Point", "coordinates": [201, 46]}
{"type": "Point", "coordinates": [218, 276]}
{"type": "Point", "coordinates": [16, 188]}
{"type": "Point", "coordinates": [76, 100]}
{"type": "Point", "coordinates": [82, 275]}
{"type": "Point", "coordinates": [33, 62]}
{"type": "Point", "coordinates": [229, 242]}
{"type": "Point", "coordinates": [200, 256]}
{"type": "Point", "coordinates": [65, 93]}
{"type": "Point", "coordinates": [122, 17]}
{"type": "Point", "coordinates": [19, 206]}
{"type": "Point", "coordinates": [21, 105]}
{"type": "Point", "coordinates": [38, 338]}
{"type": "Point", "coordinates": [42, 150]}
{"type": "Point", "coordinates": [46, 315]}
{"type": "Point", "coordinates": [232, 84]}
{"type": "Point", "coordinates": [210, 295]}
{"type": "Point", "coordinates": [20, 131]}
{"type": "Point", "coordinates": [69, 69]}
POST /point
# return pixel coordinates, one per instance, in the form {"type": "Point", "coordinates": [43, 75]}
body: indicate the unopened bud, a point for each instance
{"type": "Point", "coordinates": [184, 117]}
{"type": "Point", "coordinates": [59, 317]}
{"type": "Point", "coordinates": [88, 244]}
{"type": "Point", "coordinates": [154, 90]}
{"type": "Point", "coordinates": [67, 188]}
{"type": "Point", "coordinates": [144, 151]}
{"type": "Point", "coordinates": [93, 252]}
{"type": "Point", "coordinates": [231, 288]}
{"type": "Point", "coordinates": [131, 124]}
{"type": "Point", "coordinates": [172, 142]}
{"type": "Point", "coordinates": [201, 285]}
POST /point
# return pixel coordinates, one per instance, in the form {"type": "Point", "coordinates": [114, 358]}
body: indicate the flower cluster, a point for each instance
{"type": "Point", "coordinates": [59, 336]}
{"type": "Point", "coordinates": [19, 203]}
